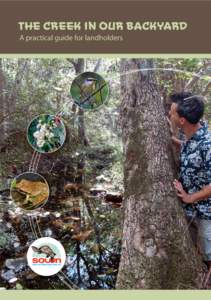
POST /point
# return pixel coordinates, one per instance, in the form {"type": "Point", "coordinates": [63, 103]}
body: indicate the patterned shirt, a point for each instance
{"type": "Point", "coordinates": [195, 170]}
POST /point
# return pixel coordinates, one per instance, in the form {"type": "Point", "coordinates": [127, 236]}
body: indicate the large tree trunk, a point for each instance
{"type": "Point", "coordinates": [4, 107]}
{"type": "Point", "coordinates": [157, 252]}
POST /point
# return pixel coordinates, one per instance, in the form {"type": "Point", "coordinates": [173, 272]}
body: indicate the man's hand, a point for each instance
{"type": "Point", "coordinates": [201, 195]}
{"type": "Point", "coordinates": [185, 197]}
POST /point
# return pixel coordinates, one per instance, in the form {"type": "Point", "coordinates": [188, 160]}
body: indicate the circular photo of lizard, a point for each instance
{"type": "Point", "coordinates": [89, 90]}
{"type": "Point", "coordinates": [46, 133]}
{"type": "Point", "coordinates": [29, 190]}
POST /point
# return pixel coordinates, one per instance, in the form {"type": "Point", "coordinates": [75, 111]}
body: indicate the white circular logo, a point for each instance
{"type": "Point", "coordinates": [46, 256]}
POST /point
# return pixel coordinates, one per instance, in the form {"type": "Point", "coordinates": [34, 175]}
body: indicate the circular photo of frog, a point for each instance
{"type": "Point", "coordinates": [89, 90]}
{"type": "Point", "coordinates": [29, 190]}
{"type": "Point", "coordinates": [46, 133]}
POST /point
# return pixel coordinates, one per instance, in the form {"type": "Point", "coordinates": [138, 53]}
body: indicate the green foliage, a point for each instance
{"type": "Point", "coordinates": [13, 185]}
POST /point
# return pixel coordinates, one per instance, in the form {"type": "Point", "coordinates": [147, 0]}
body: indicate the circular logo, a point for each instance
{"type": "Point", "coordinates": [46, 256]}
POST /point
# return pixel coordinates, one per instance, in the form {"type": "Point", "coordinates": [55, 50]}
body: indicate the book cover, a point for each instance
{"type": "Point", "coordinates": [105, 149]}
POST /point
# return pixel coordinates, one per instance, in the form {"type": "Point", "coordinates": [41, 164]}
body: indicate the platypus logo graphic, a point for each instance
{"type": "Point", "coordinates": [46, 256]}
{"type": "Point", "coordinates": [44, 250]}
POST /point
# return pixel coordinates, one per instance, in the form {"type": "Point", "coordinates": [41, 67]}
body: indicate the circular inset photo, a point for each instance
{"type": "Point", "coordinates": [29, 191]}
{"type": "Point", "coordinates": [46, 133]}
{"type": "Point", "coordinates": [46, 256]}
{"type": "Point", "coordinates": [89, 90]}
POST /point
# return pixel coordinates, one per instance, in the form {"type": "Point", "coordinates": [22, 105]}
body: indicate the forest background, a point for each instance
{"type": "Point", "coordinates": [87, 177]}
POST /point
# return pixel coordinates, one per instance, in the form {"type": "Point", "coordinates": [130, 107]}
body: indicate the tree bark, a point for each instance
{"type": "Point", "coordinates": [9, 97]}
{"type": "Point", "coordinates": [157, 252]}
{"type": "Point", "coordinates": [4, 107]}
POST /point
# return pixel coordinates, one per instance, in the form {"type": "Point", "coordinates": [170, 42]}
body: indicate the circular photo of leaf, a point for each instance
{"type": "Point", "coordinates": [89, 90]}
{"type": "Point", "coordinates": [29, 190]}
{"type": "Point", "coordinates": [46, 133]}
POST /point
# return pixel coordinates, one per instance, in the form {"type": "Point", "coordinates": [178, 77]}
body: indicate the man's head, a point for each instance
{"type": "Point", "coordinates": [186, 109]}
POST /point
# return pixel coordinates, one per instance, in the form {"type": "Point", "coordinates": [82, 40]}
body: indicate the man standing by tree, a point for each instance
{"type": "Point", "coordinates": [194, 184]}
{"type": "Point", "coordinates": [157, 252]}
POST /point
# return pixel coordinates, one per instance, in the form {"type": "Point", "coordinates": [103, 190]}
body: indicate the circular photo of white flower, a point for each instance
{"type": "Point", "coordinates": [46, 133]}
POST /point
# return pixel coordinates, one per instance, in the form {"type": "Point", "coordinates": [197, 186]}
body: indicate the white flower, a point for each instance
{"type": "Point", "coordinates": [36, 134]}
{"type": "Point", "coordinates": [42, 135]}
{"type": "Point", "coordinates": [43, 129]}
{"type": "Point", "coordinates": [40, 143]}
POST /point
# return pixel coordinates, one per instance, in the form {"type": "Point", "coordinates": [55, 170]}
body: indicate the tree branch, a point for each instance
{"type": "Point", "coordinates": [207, 88]}
{"type": "Point", "coordinates": [72, 61]}
{"type": "Point", "coordinates": [197, 76]}
{"type": "Point", "coordinates": [97, 66]}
